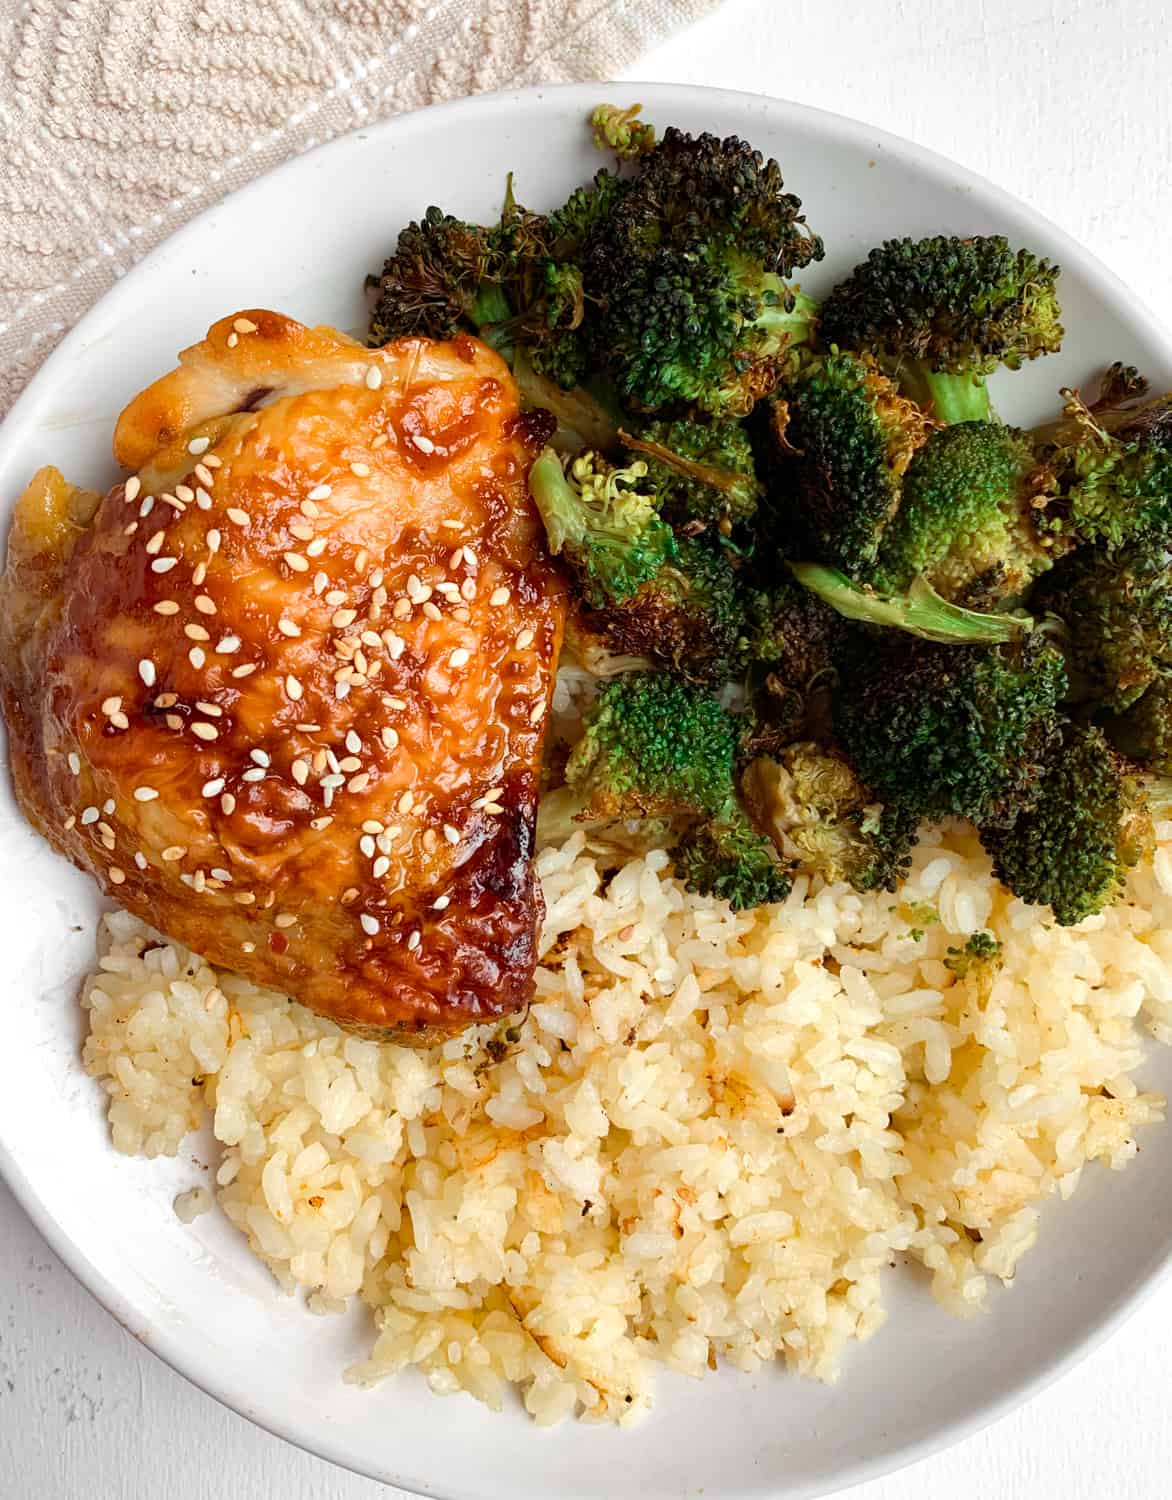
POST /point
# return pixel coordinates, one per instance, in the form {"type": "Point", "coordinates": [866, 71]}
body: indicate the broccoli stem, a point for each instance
{"type": "Point", "coordinates": [921, 611]}
{"type": "Point", "coordinates": [950, 398]}
{"type": "Point", "coordinates": [557, 500]}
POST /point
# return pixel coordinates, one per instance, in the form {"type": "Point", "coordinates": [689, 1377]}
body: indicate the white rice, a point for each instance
{"type": "Point", "coordinates": [708, 1142]}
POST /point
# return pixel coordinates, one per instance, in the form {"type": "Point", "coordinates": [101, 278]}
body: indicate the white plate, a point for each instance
{"type": "Point", "coordinates": [300, 240]}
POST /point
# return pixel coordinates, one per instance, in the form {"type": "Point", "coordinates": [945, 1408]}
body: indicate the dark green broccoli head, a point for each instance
{"type": "Point", "coordinates": [688, 615]}
{"type": "Point", "coordinates": [820, 814]}
{"type": "Point", "coordinates": [958, 730]}
{"type": "Point", "coordinates": [947, 307]}
{"type": "Point", "coordinates": [968, 523]}
{"type": "Point", "coordinates": [604, 524]}
{"type": "Point", "coordinates": [702, 471]}
{"type": "Point", "coordinates": [1143, 731]}
{"type": "Point", "coordinates": [729, 858]}
{"type": "Point", "coordinates": [852, 436]}
{"type": "Point", "coordinates": [437, 283]}
{"type": "Point", "coordinates": [1089, 823]}
{"type": "Point", "coordinates": [1118, 617]}
{"type": "Point", "coordinates": [792, 632]}
{"type": "Point", "coordinates": [683, 277]}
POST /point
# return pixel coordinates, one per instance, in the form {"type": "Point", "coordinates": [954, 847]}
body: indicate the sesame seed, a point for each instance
{"type": "Point", "coordinates": [300, 772]}
{"type": "Point", "coordinates": [343, 617]}
{"type": "Point", "coordinates": [260, 757]}
{"type": "Point", "coordinates": [146, 507]}
{"type": "Point", "coordinates": [205, 605]}
{"type": "Point", "coordinates": [358, 783]}
{"type": "Point", "coordinates": [493, 793]}
{"type": "Point", "coordinates": [452, 525]}
{"type": "Point", "coordinates": [185, 493]}
{"type": "Point", "coordinates": [199, 573]}
{"type": "Point", "coordinates": [319, 582]}
{"type": "Point", "coordinates": [116, 875]}
{"type": "Point", "coordinates": [462, 614]}
{"type": "Point", "coordinates": [287, 627]}
{"type": "Point", "coordinates": [293, 688]}
{"type": "Point", "coordinates": [212, 788]}
{"type": "Point", "coordinates": [173, 852]}
{"type": "Point", "coordinates": [336, 596]}
{"type": "Point", "coordinates": [454, 561]}
{"type": "Point", "coordinates": [402, 609]}
{"type": "Point", "coordinates": [295, 561]}
{"type": "Point", "coordinates": [146, 670]}
{"type": "Point", "coordinates": [254, 773]}
{"type": "Point", "coordinates": [132, 487]}
{"type": "Point", "coordinates": [111, 706]}
{"type": "Point", "coordinates": [499, 596]}
{"type": "Point", "coordinates": [197, 656]}
{"type": "Point", "coordinates": [204, 475]}
{"type": "Point", "coordinates": [320, 492]}
{"type": "Point", "coordinates": [414, 941]}
{"type": "Point", "coordinates": [316, 547]}
{"type": "Point", "coordinates": [395, 644]}
{"type": "Point", "coordinates": [423, 442]}
{"type": "Point", "coordinates": [155, 542]}
{"type": "Point", "coordinates": [406, 802]}
{"type": "Point", "coordinates": [163, 564]}
{"type": "Point", "coordinates": [199, 445]}
{"type": "Point", "coordinates": [174, 502]}
{"type": "Point", "coordinates": [108, 808]}
{"type": "Point", "coordinates": [460, 657]}
{"type": "Point", "coordinates": [204, 731]}
{"type": "Point", "coordinates": [145, 794]}
{"type": "Point", "coordinates": [430, 612]}
{"type": "Point", "coordinates": [70, 823]}
{"type": "Point", "coordinates": [524, 639]}
{"type": "Point", "coordinates": [74, 762]}
{"type": "Point", "coordinates": [120, 721]}
{"type": "Point", "coordinates": [374, 378]}
{"type": "Point", "coordinates": [221, 874]}
{"type": "Point", "coordinates": [332, 780]}
{"type": "Point", "coordinates": [372, 639]}
{"type": "Point", "coordinates": [244, 325]}
{"type": "Point", "coordinates": [245, 670]}
{"type": "Point", "coordinates": [537, 713]}
{"type": "Point", "coordinates": [173, 721]}
{"type": "Point", "coordinates": [213, 461]}
{"type": "Point", "coordinates": [441, 903]}
{"type": "Point", "coordinates": [430, 840]}
{"type": "Point", "coordinates": [166, 700]}
{"type": "Point", "coordinates": [166, 607]}
{"type": "Point", "coordinates": [369, 924]}
{"type": "Point", "coordinates": [203, 499]}
{"type": "Point", "coordinates": [131, 529]}
{"type": "Point", "coordinates": [308, 728]}
{"type": "Point", "coordinates": [228, 645]}
{"type": "Point", "coordinates": [341, 690]}
{"type": "Point", "coordinates": [284, 919]}
{"type": "Point", "coordinates": [366, 845]}
{"type": "Point", "coordinates": [493, 809]}
{"type": "Point", "coordinates": [319, 823]}
{"type": "Point", "coordinates": [380, 867]}
{"type": "Point", "coordinates": [302, 532]}
{"type": "Point", "coordinates": [196, 633]}
{"type": "Point", "coordinates": [380, 441]}
{"type": "Point", "coordinates": [89, 815]}
{"type": "Point", "coordinates": [360, 471]}
{"type": "Point", "coordinates": [390, 737]}
{"type": "Point", "coordinates": [140, 859]}
{"type": "Point", "coordinates": [237, 516]}
{"type": "Point", "coordinates": [227, 804]}
{"type": "Point", "coordinates": [213, 540]}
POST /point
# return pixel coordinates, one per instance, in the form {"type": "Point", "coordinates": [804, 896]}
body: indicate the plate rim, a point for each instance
{"type": "Point", "coordinates": [173, 1348]}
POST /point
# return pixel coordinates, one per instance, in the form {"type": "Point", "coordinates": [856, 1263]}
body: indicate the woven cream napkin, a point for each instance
{"type": "Point", "coordinates": [120, 119]}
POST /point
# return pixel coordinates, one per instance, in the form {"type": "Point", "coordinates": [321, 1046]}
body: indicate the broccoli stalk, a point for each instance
{"type": "Point", "coordinates": [919, 612]}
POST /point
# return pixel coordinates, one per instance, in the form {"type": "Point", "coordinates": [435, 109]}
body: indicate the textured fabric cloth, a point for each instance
{"type": "Point", "coordinates": [121, 119]}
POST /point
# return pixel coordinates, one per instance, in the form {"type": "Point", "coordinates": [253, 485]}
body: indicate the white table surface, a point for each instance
{"type": "Point", "coordinates": [1067, 104]}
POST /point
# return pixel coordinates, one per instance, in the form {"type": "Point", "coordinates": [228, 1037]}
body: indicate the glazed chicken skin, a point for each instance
{"type": "Point", "coordinates": [284, 695]}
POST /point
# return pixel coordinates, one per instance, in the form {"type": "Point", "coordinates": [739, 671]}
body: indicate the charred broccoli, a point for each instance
{"type": "Point", "coordinates": [950, 730]}
{"type": "Point", "coordinates": [919, 612]}
{"type": "Point", "coordinates": [1090, 821]}
{"type": "Point", "coordinates": [970, 517]}
{"type": "Point", "coordinates": [655, 748]}
{"type": "Point", "coordinates": [702, 471]}
{"type": "Point", "coordinates": [944, 313]}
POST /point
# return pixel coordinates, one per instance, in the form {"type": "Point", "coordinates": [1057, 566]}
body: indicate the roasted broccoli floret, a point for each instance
{"type": "Point", "coordinates": [1090, 821]}
{"type": "Point", "coordinates": [683, 277]}
{"type": "Point", "coordinates": [688, 615]}
{"type": "Point", "coordinates": [944, 313]}
{"type": "Point", "coordinates": [820, 814]}
{"type": "Point", "coordinates": [1117, 613]}
{"type": "Point", "coordinates": [920, 612]}
{"type": "Point", "coordinates": [842, 437]}
{"type": "Point", "coordinates": [441, 280]}
{"type": "Point", "coordinates": [655, 748]}
{"type": "Point", "coordinates": [1143, 731]}
{"type": "Point", "coordinates": [791, 643]}
{"type": "Point", "coordinates": [603, 522]}
{"type": "Point", "coordinates": [622, 131]}
{"type": "Point", "coordinates": [947, 730]}
{"type": "Point", "coordinates": [702, 471]}
{"type": "Point", "coordinates": [970, 520]}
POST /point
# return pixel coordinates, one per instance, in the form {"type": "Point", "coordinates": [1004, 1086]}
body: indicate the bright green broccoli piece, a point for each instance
{"type": "Point", "coordinates": [702, 471]}
{"type": "Point", "coordinates": [944, 313]}
{"type": "Point", "coordinates": [950, 730]}
{"type": "Point", "coordinates": [655, 748]}
{"type": "Point", "coordinates": [1090, 821]}
{"type": "Point", "coordinates": [688, 615]}
{"type": "Point", "coordinates": [683, 277]}
{"type": "Point", "coordinates": [1117, 613]}
{"type": "Point", "coordinates": [977, 963]}
{"type": "Point", "coordinates": [622, 131]}
{"type": "Point", "coordinates": [920, 612]}
{"type": "Point", "coordinates": [603, 523]}
{"type": "Point", "coordinates": [968, 523]}
{"type": "Point", "coordinates": [842, 437]}
{"type": "Point", "coordinates": [818, 812]}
